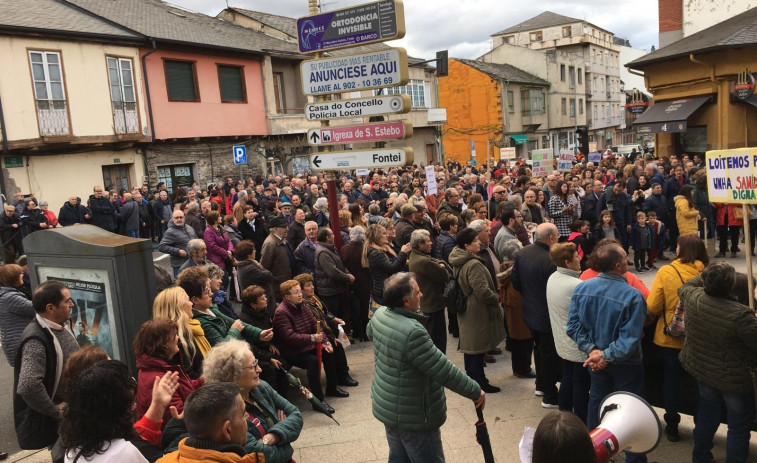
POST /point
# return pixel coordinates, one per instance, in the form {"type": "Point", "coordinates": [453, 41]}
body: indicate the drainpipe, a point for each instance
{"type": "Point", "coordinates": [147, 89]}
{"type": "Point", "coordinates": [5, 148]}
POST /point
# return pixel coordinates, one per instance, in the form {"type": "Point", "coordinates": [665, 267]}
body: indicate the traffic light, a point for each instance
{"type": "Point", "coordinates": [582, 136]}
{"type": "Point", "coordinates": [442, 68]}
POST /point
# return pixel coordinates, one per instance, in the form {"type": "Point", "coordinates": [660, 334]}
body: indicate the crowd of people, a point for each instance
{"type": "Point", "coordinates": [540, 262]}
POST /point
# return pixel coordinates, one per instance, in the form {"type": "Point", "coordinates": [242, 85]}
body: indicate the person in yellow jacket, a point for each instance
{"type": "Point", "coordinates": [661, 302]}
{"type": "Point", "coordinates": [216, 419]}
{"type": "Point", "coordinates": [687, 216]}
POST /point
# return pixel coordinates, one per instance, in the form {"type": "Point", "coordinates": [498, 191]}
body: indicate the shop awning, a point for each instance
{"type": "Point", "coordinates": [752, 100]}
{"type": "Point", "coordinates": [520, 139]}
{"type": "Point", "coordinates": [670, 115]}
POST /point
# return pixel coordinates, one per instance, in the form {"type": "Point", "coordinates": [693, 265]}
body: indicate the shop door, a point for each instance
{"type": "Point", "coordinates": [176, 176]}
{"type": "Point", "coordinates": [117, 177]}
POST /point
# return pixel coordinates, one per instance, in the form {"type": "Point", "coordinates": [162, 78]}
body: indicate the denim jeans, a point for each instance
{"type": "Point", "coordinates": [414, 446]}
{"type": "Point", "coordinates": [671, 375]}
{"type": "Point", "coordinates": [132, 233]}
{"type": "Point", "coordinates": [615, 377]}
{"type": "Point", "coordinates": [740, 411]}
{"type": "Point", "coordinates": [574, 388]}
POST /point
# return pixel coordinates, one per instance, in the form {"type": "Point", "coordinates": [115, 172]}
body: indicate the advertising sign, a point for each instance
{"type": "Point", "coordinates": [360, 133]}
{"type": "Point", "coordinates": [542, 162]}
{"type": "Point", "coordinates": [358, 107]}
{"type": "Point", "coordinates": [366, 159]}
{"type": "Point", "coordinates": [565, 162]}
{"type": "Point", "coordinates": [507, 154]}
{"type": "Point", "coordinates": [743, 88]}
{"type": "Point", "coordinates": [732, 175]}
{"type": "Point", "coordinates": [356, 25]}
{"type": "Point", "coordinates": [385, 68]}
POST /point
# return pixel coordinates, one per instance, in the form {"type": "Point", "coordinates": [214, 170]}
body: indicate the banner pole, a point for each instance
{"type": "Point", "coordinates": [748, 245]}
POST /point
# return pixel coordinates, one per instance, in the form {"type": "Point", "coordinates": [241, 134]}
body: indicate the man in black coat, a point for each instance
{"type": "Point", "coordinates": [589, 203]}
{"type": "Point", "coordinates": [531, 270]}
{"type": "Point", "coordinates": [11, 233]}
{"type": "Point", "coordinates": [73, 212]}
{"type": "Point", "coordinates": [618, 203]}
{"type": "Point", "coordinates": [296, 232]}
{"type": "Point", "coordinates": [104, 212]}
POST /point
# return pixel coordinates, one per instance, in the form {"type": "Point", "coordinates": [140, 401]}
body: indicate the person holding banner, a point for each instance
{"type": "Point", "coordinates": [729, 219]}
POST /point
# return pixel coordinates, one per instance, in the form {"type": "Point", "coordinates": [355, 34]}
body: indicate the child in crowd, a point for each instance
{"type": "Point", "coordinates": [641, 241]}
{"type": "Point", "coordinates": [579, 234]}
{"type": "Point", "coordinates": [658, 238]}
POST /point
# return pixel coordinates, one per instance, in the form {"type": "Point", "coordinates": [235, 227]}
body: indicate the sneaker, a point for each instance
{"type": "Point", "coordinates": [548, 404]}
{"type": "Point", "coordinates": [539, 393]}
{"type": "Point", "coordinates": [529, 374]}
{"type": "Point", "coordinates": [638, 269]}
{"type": "Point", "coordinates": [652, 267]}
{"type": "Point", "coordinates": [671, 433]}
{"type": "Point", "coordinates": [645, 269]}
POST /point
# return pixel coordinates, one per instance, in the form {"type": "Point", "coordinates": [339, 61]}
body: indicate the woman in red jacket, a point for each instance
{"type": "Point", "coordinates": [728, 225]}
{"type": "Point", "coordinates": [157, 349]}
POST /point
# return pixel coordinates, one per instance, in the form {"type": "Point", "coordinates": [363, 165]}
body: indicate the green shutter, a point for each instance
{"type": "Point", "coordinates": [232, 84]}
{"type": "Point", "coordinates": [181, 81]}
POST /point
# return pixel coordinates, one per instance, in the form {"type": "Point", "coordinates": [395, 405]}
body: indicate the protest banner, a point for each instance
{"type": "Point", "coordinates": [507, 154]}
{"type": "Point", "coordinates": [732, 175]}
{"type": "Point", "coordinates": [596, 158]}
{"type": "Point", "coordinates": [542, 162]}
{"type": "Point", "coordinates": [431, 180]}
{"type": "Point", "coordinates": [565, 161]}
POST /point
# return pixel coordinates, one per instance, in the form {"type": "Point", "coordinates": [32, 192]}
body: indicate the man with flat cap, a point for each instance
{"type": "Point", "coordinates": [276, 255]}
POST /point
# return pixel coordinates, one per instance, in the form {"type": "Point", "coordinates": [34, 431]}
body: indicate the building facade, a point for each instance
{"type": "Point", "coordinates": [682, 18]}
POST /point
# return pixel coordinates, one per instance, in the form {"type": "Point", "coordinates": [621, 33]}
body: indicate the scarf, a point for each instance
{"type": "Point", "coordinates": [201, 342]}
{"type": "Point", "coordinates": [58, 349]}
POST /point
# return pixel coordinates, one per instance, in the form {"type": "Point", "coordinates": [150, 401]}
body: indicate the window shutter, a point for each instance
{"type": "Point", "coordinates": [232, 84]}
{"type": "Point", "coordinates": [180, 80]}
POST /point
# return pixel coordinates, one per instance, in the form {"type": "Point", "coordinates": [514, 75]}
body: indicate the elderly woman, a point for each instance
{"type": "Point", "coordinates": [391, 234]}
{"type": "Point", "coordinates": [255, 313]}
{"type": "Point", "coordinates": [174, 304]}
{"type": "Point", "coordinates": [217, 326]}
{"type": "Point", "coordinates": [220, 297]}
{"type": "Point", "coordinates": [482, 324]}
{"type": "Point", "coordinates": [220, 249]}
{"type": "Point", "coordinates": [52, 221]}
{"type": "Point", "coordinates": [574, 387]}
{"type": "Point", "coordinates": [344, 225]}
{"type": "Point", "coordinates": [273, 423]}
{"type": "Point", "coordinates": [520, 341]}
{"type": "Point", "coordinates": [16, 309]}
{"type": "Point", "coordinates": [379, 257]}
{"type": "Point", "coordinates": [331, 276]}
{"type": "Point", "coordinates": [360, 295]}
{"type": "Point", "coordinates": [250, 272]}
{"type": "Point", "coordinates": [321, 212]}
{"type": "Point", "coordinates": [157, 349]}
{"type": "Point", "coordinates": [661, 302]}
{"type": "Point", "coordinates": [297, 337]}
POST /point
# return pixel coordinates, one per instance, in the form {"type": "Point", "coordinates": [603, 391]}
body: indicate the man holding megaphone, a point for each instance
{"type": "Point", "coordinates": [606, 320]}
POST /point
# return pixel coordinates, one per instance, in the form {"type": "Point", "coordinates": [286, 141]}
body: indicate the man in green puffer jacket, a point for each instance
{"type": "Point", "coordinates": [411, 374]}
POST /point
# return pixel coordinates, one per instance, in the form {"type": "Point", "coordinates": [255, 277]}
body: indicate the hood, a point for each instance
{"type": "Point", "coordinates": [458, 257]}
{"type": "Point", "coordinates": [5, 290]}
{"type": "Point", "coordinates": [148, 362]}
{"type": "Point", "coordinates": [171, 224]}
{"type": "Point", "coordinates": [679, 198]}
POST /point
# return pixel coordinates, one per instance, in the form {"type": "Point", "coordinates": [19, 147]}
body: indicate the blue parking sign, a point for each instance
{"type": "Point", "coordinates": [240, 154]}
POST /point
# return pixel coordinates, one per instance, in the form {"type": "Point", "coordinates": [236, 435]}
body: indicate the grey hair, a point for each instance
{"type": "Point", "coordinates": [477, 225]}
{"type": "Point", "coordinates": [544, 231]}
{"type": "Point", "coordinates": [194, 245]}
{"type": "Point", "coordinates": [517, 200]}
{"type": "Point", "coordinates": [357, 234]}
{"type": "Point", "coordinates": [214, 272]}
{"type": "Point", "coordinates": [320, 203]}
{"type": "Point", "coordinates": [399, 202]}
{"type": "Point", "coordinates": [224, 363]}
{"type": "Point", "coordinates": [396, 288]}
{"type": "Point", "coordinates": [374, 209]}
{"type": "Point", "coordinates": [511, 249]}
{"type": "Point", "coordinates": [241, 194]}
{"type": "Point", "coordinates": [651, 165]}
{"type": "Point", "coordinates": [193, 207]}
{"type": "Point", "coordinates": [419, 236]}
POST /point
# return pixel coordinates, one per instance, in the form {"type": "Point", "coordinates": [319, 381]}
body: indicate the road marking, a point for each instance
{"type": "Point", "coordinates": [158, 259]}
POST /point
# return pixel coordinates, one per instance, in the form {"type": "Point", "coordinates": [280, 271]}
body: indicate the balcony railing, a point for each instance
{"type": "Point", "coordinates": [290, 111]}
{"type": "Point", "coordinates": [53, 117]}
{"type": "Point", "coordinates": [125, 118]}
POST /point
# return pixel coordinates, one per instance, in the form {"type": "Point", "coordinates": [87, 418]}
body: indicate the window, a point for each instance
{"type": "Point", "coordinates": [510, 101]}
{"type": "Point", "coordinates": [562, 73]}
{"type": "Point", "coordinates": [117, 176]}
{"type": "Point", "coordinates": [181, 81]}
{"type": "Point", "coordinates": [563, 109]}
{"type": "Point", "coordinates": [49, 93]}
{"type": "Point", "coordinates": [566, 31]}
{"type": "Point", "coordinates": [595, 111]}
{"type": "Point", "coordinates": [535, 36]}
{"type": "Point", "coordinates": [572, 74]}
{"type": "Point", "coordinates": [572, 107]}
{"type": "Point", "coordinates": [231, 82]}
{"type": "Point", "coordinates": [580, 106]}
{"type": "Point", "coordinates": [509, 39]}
{"type": "Point", "coordinates": [278, 92]}
{"type": "Point", "coordinates": [580, 77]}
{"type": "Point", "coordinates": [122, 96]}
{"type": "Point", "coordinates": [417, 90]}
{"type": "Point", "coordinates": [532, 102]}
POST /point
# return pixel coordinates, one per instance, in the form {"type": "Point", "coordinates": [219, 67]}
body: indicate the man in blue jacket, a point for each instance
{"type": "Point", "coordinates": [606, 320]}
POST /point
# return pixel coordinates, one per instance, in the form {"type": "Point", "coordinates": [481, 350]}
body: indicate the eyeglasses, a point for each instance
{"type": "Point", "coordinates": [253, 366]}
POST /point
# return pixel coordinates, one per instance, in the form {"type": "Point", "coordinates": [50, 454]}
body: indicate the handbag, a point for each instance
{"type": "Point", "coordinates": [738, 212]}
{"type": "Point", "coordinates": [677, 326]}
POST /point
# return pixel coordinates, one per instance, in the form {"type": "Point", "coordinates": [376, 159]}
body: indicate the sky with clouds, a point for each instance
{"type": "Point", "coordinates": [464, 27]}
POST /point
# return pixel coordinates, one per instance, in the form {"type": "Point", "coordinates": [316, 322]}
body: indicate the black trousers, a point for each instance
{"type": "Point", "coordinates": [437, 329]}
{"type": "Point", "coordinates": [640, 257]}
{"type": "Point", "coordinates": [548, 365]}
{"type": "Point", "coordinates": [725, 231]}
{"type": "Point", "coordinates": [334, 364]}
{"type": "Point", "coordinates": [521, 350]}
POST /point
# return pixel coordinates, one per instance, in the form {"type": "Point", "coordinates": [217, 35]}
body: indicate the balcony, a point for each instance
{"type": "Point", "coordinates": [53, 118]}
{"type": "Point", "coordinates": [125, 117]}
{"type": "Point", "coordinates": [288, 121]}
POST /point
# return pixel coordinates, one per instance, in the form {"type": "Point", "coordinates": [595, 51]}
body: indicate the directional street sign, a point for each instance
{"type": "Point", "coordinates": [363, 159]}
{"type": "Point", "coordinates": [385, 68]}
{"type": "Point", "coordinates": [358, 107]}
{"type": "Point", "coordinates": [240, 154]}
{"type": "Point", "coordinates": [356, 25]}
{"type": "Point", "coordinates": [360, 133]}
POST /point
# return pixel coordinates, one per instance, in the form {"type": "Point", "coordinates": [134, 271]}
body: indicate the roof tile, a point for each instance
{"type": "Point", "coordinates": [504, 71]}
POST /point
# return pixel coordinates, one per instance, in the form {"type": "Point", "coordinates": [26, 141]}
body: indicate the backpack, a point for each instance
{"type": "Point", "coordinates": [454, 297]}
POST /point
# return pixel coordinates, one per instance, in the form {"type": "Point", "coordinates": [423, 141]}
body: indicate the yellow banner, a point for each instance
{"type": "Point", "coordinates": [732, 175]}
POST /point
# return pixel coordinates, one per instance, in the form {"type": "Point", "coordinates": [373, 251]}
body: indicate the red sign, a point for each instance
{"type": "Point", "coordinates": [360, 133]}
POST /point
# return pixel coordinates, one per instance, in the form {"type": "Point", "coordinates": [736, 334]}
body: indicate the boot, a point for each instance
{"type": "Point", "coordinates": [719, 255]}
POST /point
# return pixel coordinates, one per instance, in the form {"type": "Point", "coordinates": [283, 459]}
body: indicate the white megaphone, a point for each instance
{"type": "Point", "coordinates": [626, 422]}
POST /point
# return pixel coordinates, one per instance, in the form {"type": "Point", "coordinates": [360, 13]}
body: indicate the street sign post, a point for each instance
{"type": "Point", "coordinates": [360, 133]}
{"type": "Point", "coordinates": [358, 107]}
{"type": "Point", "coordinates": [240, 157]}
{"type": "Point", "coordinates": [356, 25]}
{"type": "Point", "coordinates": [349, 73]}
{"type": "Point", "coordinates": [362, 159]}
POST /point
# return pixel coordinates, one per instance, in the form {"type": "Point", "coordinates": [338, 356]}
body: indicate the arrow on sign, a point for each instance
{"type": "Point", "coordinates": [315, 138]}
{"type": "Point", "coordinates": [317, 161]}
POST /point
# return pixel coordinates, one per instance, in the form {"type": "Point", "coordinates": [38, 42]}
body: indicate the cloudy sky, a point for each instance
{"type": "Point", "coordinates": [464, 27]}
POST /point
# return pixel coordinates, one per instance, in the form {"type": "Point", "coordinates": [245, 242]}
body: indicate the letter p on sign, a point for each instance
{"type": "Point", "coordinates": [240, 154]}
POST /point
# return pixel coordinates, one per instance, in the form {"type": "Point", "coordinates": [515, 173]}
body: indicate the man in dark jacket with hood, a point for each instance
{"type": "Point", "coordinates": [73, 212]}
{"type": "Point", "coordinates": [104, 212]}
